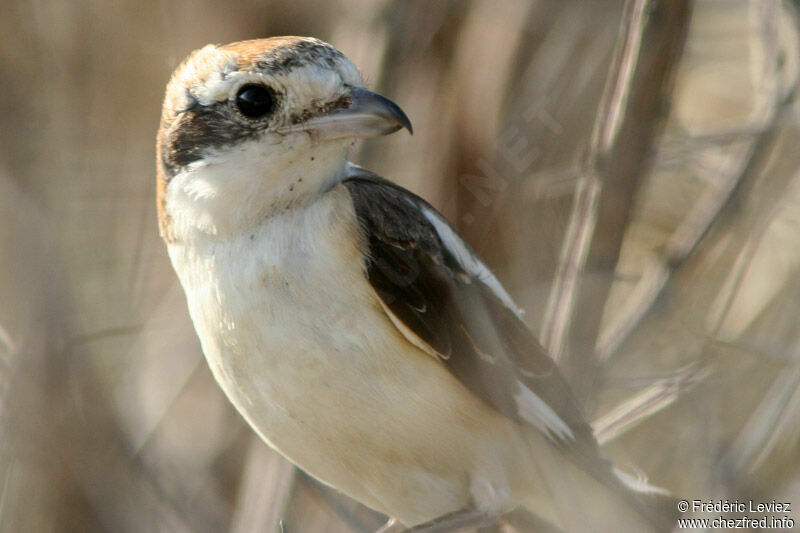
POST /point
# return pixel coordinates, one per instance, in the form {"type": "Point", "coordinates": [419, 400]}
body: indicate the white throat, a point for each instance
{"type": "Point", "coordinates": [231, 191]}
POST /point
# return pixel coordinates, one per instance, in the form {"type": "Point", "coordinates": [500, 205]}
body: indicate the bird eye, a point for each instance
{"type": "Point", "coordinates": [255, 101]}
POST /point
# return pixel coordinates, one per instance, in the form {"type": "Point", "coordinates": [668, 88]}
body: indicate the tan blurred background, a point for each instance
{"type": "Point", "coordinates": [630, 170]}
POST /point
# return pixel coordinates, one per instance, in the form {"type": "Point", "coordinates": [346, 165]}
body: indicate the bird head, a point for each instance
{"type": "Point", "coordinates": [250, 128]}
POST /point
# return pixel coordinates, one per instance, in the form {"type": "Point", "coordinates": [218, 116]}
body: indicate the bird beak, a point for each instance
{"type": "Point", "coordinates": [361, 114]}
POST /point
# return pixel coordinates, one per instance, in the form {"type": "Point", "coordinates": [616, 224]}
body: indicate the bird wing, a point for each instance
{"type": "Point", "coordinates": [446, 301]}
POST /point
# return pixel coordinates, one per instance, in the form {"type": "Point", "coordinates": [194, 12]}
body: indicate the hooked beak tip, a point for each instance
{"type": "Point", "coordinates": [368, 103]}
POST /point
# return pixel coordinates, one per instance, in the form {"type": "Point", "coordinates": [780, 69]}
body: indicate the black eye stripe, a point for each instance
{"type": "Point", "coordinates": [200, 128]}
{"type": "Point", "coordinates": [255, 101]}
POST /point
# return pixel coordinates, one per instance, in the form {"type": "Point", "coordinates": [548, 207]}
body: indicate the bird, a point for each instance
{"type": "Point", "coordinates": [345, 318]}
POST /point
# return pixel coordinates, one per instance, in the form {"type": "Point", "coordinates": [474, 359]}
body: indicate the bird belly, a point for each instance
{"type": "Point", "coordinates": [374, 423]}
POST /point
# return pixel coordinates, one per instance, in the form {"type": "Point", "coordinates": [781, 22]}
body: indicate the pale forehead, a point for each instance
{"type": "Point", "coordinates": [211, 73]}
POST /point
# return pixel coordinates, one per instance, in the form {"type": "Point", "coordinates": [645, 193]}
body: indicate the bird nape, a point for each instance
{"type": "Point", "coordinates": [348, 322]}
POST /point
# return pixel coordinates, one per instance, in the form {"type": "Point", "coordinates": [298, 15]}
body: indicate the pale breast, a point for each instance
{"type": "Point", "coordinates": [296, 337]}
{"type": "Point", "coordinates": [269, 305]}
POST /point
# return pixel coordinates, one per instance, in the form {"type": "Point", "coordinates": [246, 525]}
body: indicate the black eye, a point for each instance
{"type": "Point", "coordinates": [255, 101]}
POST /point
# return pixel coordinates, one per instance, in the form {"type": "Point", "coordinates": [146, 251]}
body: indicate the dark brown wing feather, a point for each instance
{"type": "Point", "coordinates": [480, 339]}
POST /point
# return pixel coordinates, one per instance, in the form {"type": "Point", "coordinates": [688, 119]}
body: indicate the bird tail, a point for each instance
{"type": "Point", "coordinates": [577, 494]}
